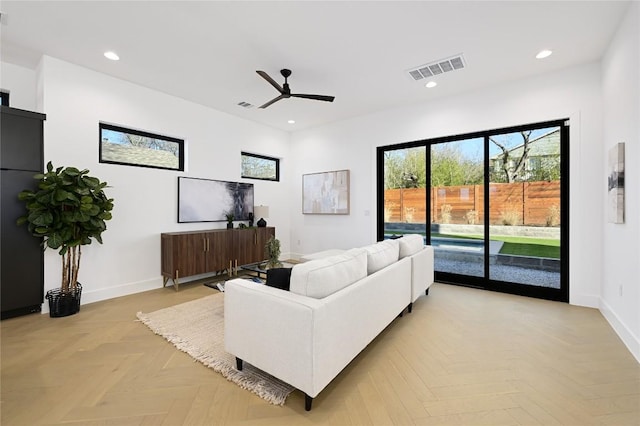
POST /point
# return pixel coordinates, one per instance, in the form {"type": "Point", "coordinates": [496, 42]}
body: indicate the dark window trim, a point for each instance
{"type": "Point", "coordinates": [4, 98]}
{"type": "Point", "coordinates": [263, 157]}
{"type": "Point", "coordinates": [180, 142]}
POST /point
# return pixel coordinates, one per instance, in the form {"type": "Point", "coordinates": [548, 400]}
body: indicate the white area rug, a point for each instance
{"type": "Point", "coordinates": [197, 328]}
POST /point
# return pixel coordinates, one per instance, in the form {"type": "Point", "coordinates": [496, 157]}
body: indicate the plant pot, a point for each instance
{"type": "Point", "coordinates": [64, 304]}
{"type": "Point", "coordinates": [229, 225]}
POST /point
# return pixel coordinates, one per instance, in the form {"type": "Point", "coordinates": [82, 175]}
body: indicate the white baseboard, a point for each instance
{"type": "Point", "coordinates": [112, 292]}
{"type": "Point", "coordinates": [585, 300]}
{"type": "Point", "coordinates": [632, 342]}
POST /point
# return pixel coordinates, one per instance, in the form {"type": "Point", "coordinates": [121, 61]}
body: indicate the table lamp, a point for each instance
{"type": "Point", "coordinates": [261, 212]}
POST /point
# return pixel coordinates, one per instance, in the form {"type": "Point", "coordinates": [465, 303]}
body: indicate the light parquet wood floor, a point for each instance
{"type": "Point", "coordinates": [463, 357]}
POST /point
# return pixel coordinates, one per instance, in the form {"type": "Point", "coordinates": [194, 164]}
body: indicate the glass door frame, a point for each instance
{"type": "Point", "coordinates": [561, 294]}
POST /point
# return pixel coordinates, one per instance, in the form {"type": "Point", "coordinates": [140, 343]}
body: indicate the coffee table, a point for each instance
{"type": "Point", "coordinates": [259, 269]}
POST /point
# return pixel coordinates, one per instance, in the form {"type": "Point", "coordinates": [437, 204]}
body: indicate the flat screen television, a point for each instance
{"type": "Point", "coordinates": [206, 200]}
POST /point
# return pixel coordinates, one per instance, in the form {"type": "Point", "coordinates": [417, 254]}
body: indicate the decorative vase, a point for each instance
{"type": "Point", "coordinates": [64, 304]}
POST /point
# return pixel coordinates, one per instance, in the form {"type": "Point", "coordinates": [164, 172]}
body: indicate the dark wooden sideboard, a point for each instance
{"type": "Point", "coordinates": [213, 251]}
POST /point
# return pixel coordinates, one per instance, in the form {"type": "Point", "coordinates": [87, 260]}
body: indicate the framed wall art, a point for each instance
{"type": "Point", "coordinates": [615, 184]}
{"type": "Point", "coordinates": [206, 200]}
{"type": "Point", "coordinates": [326, 192]}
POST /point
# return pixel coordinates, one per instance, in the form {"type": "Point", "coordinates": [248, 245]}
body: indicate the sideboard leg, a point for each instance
{"type": "Point", "coordinates": [307, 402]}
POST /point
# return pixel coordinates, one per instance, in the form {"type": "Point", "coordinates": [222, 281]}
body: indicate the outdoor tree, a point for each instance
{"type": "Point", "coordinates": [517, 163]}
{"type": "Point", "coordinates": [513, 167]}
{"type": "Point", "coordinates": [151, 143]}
{"type": "Point", "coordinates": [451, 167]}
{"type": "Point", "coordinates": [405, 168]}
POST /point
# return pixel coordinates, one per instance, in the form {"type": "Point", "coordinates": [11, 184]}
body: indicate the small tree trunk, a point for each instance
{"type": "Point", "coordinates": [66, 271]}
{"type": "Point", "coordinates": [76, 267]}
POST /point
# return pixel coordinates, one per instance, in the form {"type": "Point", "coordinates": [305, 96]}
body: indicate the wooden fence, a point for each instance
{"type": "Point", "coordinates": [522, 203]}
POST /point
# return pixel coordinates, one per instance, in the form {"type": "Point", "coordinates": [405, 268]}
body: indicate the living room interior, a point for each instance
{"type": "Point", "coordinates": [184, 68]}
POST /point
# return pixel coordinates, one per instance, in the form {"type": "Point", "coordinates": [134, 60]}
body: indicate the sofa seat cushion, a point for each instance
{"type": "Point", "coordinates": [321, 277]}
{"type": "Point", "coordinates": [410, 245]}
{"type": "Point", "coordinates": [381, 255]}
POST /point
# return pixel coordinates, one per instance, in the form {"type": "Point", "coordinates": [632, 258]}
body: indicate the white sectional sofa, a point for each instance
{"type": "Point", "coordinates": [335, 307]}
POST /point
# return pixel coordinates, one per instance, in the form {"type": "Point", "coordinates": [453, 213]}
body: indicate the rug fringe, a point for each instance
{"type": "Point", "coordinates": [249, 378]}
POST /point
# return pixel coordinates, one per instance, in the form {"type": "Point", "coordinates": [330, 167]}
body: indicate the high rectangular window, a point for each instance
{"type": "Point", "coordinates": [255, 166]}
{"type": "Point", "coordinates": [119, 145]}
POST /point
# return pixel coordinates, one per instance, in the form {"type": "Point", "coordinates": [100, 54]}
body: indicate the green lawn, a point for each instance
{"type": "Point", "coordinates": [520, 246]}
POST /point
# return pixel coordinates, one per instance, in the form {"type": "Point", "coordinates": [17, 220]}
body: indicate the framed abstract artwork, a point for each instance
{"type": "Point", "coordinates": [206, 200]}
{"type": "Point", "coordinates": [326, 192]}
{"type": "Point", "coordinates": [615, 184]}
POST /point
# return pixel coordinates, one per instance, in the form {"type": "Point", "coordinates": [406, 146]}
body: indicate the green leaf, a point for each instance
{"type": "Point", "coordinates": [71, 171]}
{"type": "Point", "coordinates": [40, 218]}
{"type": "Point", "coordinates": [49, 167]}
{"type": "Point", "coordinates": [26, 195]}
{"type": "Point", "coordinates": [55, 241]}
{"type": "Point", "coordinates": [61, 195]}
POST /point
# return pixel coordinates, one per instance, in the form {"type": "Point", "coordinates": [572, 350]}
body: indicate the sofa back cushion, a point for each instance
{"type": "Point", "coordinates": [410, 245]}
{"type": "Point", "coordinates": [322, 277]}
{"type": "Point", "coordinates": [381, 255]}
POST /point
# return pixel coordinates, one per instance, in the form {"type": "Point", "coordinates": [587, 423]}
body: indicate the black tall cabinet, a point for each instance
{"type": "Point", "coordinates": [21, 256]}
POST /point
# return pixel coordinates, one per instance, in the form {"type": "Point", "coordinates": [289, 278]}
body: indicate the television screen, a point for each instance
{"type": "Point", "coordinates": [206, 200]}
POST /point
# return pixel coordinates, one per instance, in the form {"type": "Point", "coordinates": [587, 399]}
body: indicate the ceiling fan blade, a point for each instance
{"type": "Point", "coordinates": [273, 101]}
{"type": "Point", "coordinates": [270, 80]}
{"type": "Point", "coordinates": [314, 97]}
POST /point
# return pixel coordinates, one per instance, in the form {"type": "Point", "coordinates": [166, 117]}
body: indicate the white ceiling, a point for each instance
{"type": "Point", "coordinates": [357, 51]}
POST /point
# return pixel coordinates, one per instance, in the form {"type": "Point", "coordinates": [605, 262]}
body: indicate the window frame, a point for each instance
{"type": "Point", "coordinates": [112, 127]}
{"type": "Point", "coordinates": [276, 162]}
{"type": "Point", "coordinates": [4, 98]}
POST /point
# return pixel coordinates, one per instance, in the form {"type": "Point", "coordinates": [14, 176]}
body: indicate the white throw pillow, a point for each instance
{"type": "Point", "coordinates": [322, 277]}
{"type": "Point", "coordinates": [381, 255]}
{"type": "Point", "coordinates": [410, 245]}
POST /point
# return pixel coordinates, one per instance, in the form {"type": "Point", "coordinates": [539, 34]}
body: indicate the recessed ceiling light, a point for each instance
{"type": "Point", "coordinates": [543, 54]}
{"type": "Point", "coordinates": [431, 84]}
{"type": "Point", "coordinates": [291, 121]}
{"type": "Point", "coordinates": [111, 55]}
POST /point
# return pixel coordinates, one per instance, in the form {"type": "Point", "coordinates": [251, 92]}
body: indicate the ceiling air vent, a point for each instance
{"type": "Point", "coordinates": [438, 67]}
{"type": "Point", "coordinates": [245, 104]}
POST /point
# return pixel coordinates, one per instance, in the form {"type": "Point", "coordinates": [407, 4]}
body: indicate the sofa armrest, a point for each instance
{"type": "Point", "coordinates": [271, 329]}
{"type": "Point", "coordinates": [422, 272]}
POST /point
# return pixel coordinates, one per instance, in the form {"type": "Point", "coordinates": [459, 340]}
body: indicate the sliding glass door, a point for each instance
{"type": "Point", "coordinates": [456, 210]}
{"type": "Point", "coordinates": [492, 204]}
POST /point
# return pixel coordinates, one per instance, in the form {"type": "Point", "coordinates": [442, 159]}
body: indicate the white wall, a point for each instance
{"type": "Point", "coordinates": [75, 99]}
{"type": "Point", "coordinates": [573, 93]}
{"type": "Point", "coordinates": [620, 293]}
{"type": "Point", "coordinates": [21, 84]}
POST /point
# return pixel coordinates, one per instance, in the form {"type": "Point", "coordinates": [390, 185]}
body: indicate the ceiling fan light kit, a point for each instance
{"type": "Point", "coordinates": [285, 90]}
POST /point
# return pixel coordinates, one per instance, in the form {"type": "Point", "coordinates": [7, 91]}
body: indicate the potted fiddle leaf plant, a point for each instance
{"type": "Point", "coordinates": [272, 252]}
{"type": "Point", "coordinates": [67, 211]}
